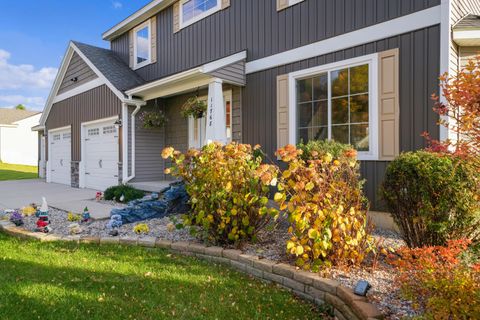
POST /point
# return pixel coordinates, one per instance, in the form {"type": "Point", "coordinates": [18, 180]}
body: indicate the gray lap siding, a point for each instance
{"type": "Point", "coordinates": [419, 72]}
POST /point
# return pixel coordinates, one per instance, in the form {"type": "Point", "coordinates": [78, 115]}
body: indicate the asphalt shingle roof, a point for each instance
{"type": "Point", "coordinates": [111, 66]}
{"type": "Point", "coordinates": [9, 116]}
{"type": "Point", "coordinates": [470, 21]}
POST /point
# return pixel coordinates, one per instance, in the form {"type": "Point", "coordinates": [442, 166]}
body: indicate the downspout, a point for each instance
{"type": "Point", "coordinates": [132, 121]}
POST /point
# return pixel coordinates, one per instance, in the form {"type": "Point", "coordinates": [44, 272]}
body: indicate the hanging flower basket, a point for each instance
{"type": "Point", "coordinates": [153, 119]}
{"type": "Point", "coordinates": [194, 107]}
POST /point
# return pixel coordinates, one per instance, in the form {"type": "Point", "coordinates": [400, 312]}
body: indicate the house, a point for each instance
{"type": "Point", "coordinates": [272, 71]}
{"type": "Point", "coordinates": [18, 143]}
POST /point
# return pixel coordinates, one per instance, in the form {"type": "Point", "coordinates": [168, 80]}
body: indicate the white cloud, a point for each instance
{"type": "Point", "coordinates": [117, 4]}
{"type": "Point", "coordinates": [36, 103]}
{"type": "Point", "coordinates": [23, 76]}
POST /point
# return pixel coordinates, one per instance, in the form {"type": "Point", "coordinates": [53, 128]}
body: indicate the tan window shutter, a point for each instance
{"type": "Point", "coordinates": [282, 4]}
{"type": "Point", "coordinates": [153, 38]}
{"type": "Point", "coordinates": [176, 17]}
{"type": "Point", "coordinates": [388, 107]}
{"type": "Point", "coordinates": [225, 4]}
{"type": "Point", "coordinates": [282, 111]}
{"type": "Point", "coordinates": [130, 48]}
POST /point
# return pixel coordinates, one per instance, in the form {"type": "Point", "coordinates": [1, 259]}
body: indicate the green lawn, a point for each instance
{"type": "Point", "coordinates": [17, 172]}
{"type": "Point", "coordinates": [68, 281]}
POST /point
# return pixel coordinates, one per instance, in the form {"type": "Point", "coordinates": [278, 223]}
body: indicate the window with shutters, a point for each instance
{"type": "Point", "coordinates": [192, 11]}
{"type": "Point", "coordinates": [142, 45]}
{"type": "Point", "coordinates": [337, 102]}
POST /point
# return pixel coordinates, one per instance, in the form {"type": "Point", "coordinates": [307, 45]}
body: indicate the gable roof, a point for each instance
{"type": "Point", "coordinates": [111, 71]}
{"type": "Point", "coordinates": [470, 21]}
{"type": "Point", "coordinates": [10, 116]}
{"type": "Point", "coordinates": [111, 66]}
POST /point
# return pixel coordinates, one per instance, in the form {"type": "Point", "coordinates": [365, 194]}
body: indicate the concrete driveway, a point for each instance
{"type": "Point", "coordinates": [19, 193]}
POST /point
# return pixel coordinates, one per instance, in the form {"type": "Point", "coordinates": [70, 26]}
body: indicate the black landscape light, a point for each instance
{"type": "Point", "coordinates": [362, 288]}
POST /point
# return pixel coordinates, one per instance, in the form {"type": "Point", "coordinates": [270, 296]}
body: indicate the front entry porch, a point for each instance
{"type": "Point", "coordinates": [218, 85]}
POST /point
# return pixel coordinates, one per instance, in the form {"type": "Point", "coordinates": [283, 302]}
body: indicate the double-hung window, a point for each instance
{"type": "Point", "coordinates": [192, 11]}
{"type": "Point", "coordinates": [142, 45]}
{"type": "Point", "coordinates": [336, 102]}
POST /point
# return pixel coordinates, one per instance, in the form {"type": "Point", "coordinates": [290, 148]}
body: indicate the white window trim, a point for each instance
{"type": "Point", "coordinates": [372, 61]}
{"type": "Point", "coordinates": [294, 2]}
{"type": "Point", "coordinates": [136, 65]}
{"type": "Point", "coordinates": [184, 24]}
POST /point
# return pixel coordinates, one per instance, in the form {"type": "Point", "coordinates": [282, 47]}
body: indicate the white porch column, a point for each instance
{"type": "Point", "coordinates": [216, 130]}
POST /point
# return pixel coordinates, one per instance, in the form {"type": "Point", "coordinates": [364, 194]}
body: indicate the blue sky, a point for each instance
{"type": "Point", "coordinates": [34, 35]}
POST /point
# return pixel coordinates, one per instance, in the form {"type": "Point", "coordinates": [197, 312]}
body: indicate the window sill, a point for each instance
{"type": "Point", "coordinates": [141, 65]}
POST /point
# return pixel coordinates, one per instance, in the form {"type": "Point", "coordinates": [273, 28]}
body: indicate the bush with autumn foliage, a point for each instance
{"type": "Point", "coordinates": [440, 281]}
{"type": "Point", "coordinates": [323, 199]}
{"type": "Point", "coordinates": [228, 200]}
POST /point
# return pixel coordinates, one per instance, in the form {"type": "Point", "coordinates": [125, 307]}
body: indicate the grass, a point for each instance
{"type": "Point", "coordinates": [17, 172]}
{"type": "Point", "coordinates": [71, 281]}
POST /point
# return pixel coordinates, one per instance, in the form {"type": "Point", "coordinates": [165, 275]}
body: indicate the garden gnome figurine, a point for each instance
{"type": "Point", "coordinates": [42, 214]}
{"type": "Point", "coordinates": [85, 215]}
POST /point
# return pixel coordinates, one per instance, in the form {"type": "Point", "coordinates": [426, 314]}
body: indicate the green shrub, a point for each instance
{"type": "Point", "coordinates": [129, 193]}
{"type": "Point", "coordinates": [228, 199]}
{"type": "Point", "coordinates": [324, 203]}
{"type": "Point", "coordinates": [433, 198]}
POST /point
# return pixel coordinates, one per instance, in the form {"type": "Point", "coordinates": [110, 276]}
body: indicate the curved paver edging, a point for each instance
{"type": "Point", "coordinates": [306, 285]}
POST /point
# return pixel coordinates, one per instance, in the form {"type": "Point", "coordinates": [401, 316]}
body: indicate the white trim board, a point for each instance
{"type": "Point", "coordinates": [408, 23]}
{"type": "Point", "coordinates": [80, 89]}
{"type": "Point", "coordinates": [372, 61]}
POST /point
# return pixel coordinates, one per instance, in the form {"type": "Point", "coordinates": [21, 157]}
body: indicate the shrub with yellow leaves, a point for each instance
{"type": "Point", "coordinates": [228, 199]}
{"type": "Point", "coordinates": [323, 198]}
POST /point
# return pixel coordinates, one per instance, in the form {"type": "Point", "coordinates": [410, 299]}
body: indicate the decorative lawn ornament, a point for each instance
{"type": "Point", "coordinates": [99, 196]}
{"type": "Point", "coordinates": [113, 233]}
{"type": "Point", "coordinates": [29, 211]}
{"type": "Point", "coordinates": [73, 217]}
{"type": "Point", "coordinates": [141, 228]}
{"type": "Point", "coordinates": [122, 198]}
{"type": "Point", "coordinates": [115, 222]}
{"type": "Point", "coordinates": [86, 215]}
{"type": "Point", "coordinates": [16, 218]}
{"type": "Point", "coordinates": [75, 228]}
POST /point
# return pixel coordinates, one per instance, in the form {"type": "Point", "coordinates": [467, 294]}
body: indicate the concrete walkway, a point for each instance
{"type": "Point", "coordinates": [20, 193]}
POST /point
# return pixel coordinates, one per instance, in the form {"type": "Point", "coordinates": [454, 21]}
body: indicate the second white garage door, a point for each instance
{"type": "Point", "coordinates": [60, 156]}
{"type": "Point", "coordinates": [101, 155]}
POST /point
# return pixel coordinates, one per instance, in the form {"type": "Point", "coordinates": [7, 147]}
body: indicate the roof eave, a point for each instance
{"type": "Point", "coordinates": [136, 18]}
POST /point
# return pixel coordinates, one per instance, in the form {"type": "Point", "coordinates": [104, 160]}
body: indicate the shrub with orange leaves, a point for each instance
{"type": "Point", "coordinates": [439, 281]}
{"type": "Point", "coordinates": [323, 199]}
{"type": "Point", "coordinates": [228, 199]}
{"type": "Point", "coordinates": [460, 113]}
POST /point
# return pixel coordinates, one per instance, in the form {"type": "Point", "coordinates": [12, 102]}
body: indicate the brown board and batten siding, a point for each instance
{"type": "Point", "coordinates": [79, 71]}
{"type": "Point", "coordinates": [94, 104]}
{"type": "Point", "coordinates": [419, 68]}
{"type": "Point", "coordinates": [257, 26]}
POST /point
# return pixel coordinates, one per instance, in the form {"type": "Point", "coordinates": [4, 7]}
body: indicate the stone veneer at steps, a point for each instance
{"type": "Point", "coordinates": [306, 285]}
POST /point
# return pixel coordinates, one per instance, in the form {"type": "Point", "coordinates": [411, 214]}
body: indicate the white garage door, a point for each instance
{"type": "Point", "coordinates": [60, 156]}
{"type": "Point", "coordinates": [101, 156]}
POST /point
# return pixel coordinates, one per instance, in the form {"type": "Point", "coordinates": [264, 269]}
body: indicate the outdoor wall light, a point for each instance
{"type": "Point", "coordinates": [362, 288]}
{"type": "Point", "coordinates": [75, 79]}
{"type": "Point", "coordinates": [118, 123]}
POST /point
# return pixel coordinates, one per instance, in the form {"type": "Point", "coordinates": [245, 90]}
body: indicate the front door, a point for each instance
{"type": "Point", "coordinates": [197, 127]}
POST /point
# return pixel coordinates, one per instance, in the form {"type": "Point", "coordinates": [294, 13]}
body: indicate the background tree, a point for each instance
{"type": "Point", "coordinates": [20, 107]}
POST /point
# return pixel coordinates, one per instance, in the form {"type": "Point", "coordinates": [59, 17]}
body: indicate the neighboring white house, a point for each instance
{"type": "Point", "coordinates": [18, 143]}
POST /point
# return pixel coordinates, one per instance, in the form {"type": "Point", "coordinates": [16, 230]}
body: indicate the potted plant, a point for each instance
{"type": "Point", "coordinates": [153, 119]}
{"type": "Point", "coordinates": [194, 107]}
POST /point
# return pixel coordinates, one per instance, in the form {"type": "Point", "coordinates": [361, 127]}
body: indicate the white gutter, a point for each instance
{"type": "Point", "coordinates": [134, 113]}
